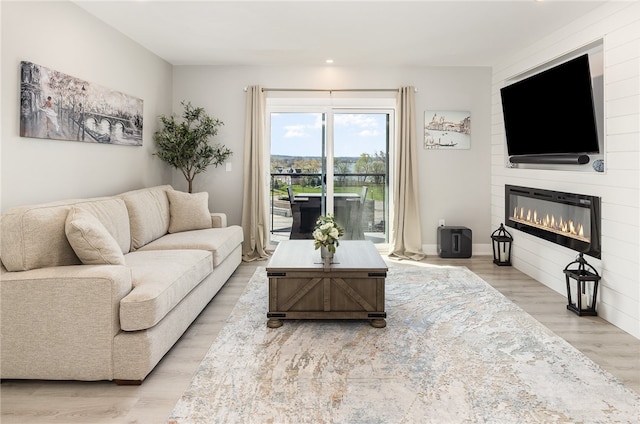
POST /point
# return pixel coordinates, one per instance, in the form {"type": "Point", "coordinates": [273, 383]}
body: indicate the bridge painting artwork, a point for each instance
{"type": "Point", "coordinates": [58, 106]}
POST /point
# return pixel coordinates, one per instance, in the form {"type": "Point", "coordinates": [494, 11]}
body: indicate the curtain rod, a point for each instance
{"type": "Point", "coordinates": [331, 89]}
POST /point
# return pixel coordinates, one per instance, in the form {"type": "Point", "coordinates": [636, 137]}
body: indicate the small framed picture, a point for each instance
{"type": "Point", "coordinates": [447, 130]}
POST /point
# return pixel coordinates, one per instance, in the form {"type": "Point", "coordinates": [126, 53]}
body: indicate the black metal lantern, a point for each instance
{"type": "Point", "coordinates": [581, 297]}
{"type": "Point", "coordinates": [501, 240]}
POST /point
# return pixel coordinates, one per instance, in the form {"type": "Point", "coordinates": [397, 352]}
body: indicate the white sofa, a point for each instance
{"type": "Point", "coordinates": [101, 288]}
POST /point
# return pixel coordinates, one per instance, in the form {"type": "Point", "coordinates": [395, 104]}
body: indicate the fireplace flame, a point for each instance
{"type": "Point", "coordinates": [558, 225]}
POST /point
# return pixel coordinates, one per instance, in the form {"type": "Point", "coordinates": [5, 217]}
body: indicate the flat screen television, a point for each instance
{"type": "Point", "coordinates": [552, 112]}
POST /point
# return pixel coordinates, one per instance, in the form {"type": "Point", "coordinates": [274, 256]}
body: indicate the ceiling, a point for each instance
{"type": "Point", "coordinates": [352, 33]}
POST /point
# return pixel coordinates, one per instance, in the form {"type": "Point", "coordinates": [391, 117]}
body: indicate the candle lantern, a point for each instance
{"type": "Point", "coordinates": [501, 240]}
{"type": "Point", "coordinates": [582, 294]}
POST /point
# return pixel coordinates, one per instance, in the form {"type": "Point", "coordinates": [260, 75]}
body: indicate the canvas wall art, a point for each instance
{"type": "Point", "coordinates": [57, 106]}
{"type": "Point", "coordinates": [447, 130]}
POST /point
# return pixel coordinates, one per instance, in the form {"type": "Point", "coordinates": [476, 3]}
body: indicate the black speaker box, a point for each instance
{"type": "Point", "coordinates": [454, 242]}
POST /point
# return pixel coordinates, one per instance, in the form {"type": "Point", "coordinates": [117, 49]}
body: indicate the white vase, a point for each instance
{"type": "Point", "coordinates": [325, 252]}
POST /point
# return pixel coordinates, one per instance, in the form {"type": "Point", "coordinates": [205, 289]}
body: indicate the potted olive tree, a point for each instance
{"type": "Point", "coordinates": [185, 145]}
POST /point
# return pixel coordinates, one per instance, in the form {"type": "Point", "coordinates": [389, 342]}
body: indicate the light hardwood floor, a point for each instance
{"type": "Point", "coordinates": [103, 402]}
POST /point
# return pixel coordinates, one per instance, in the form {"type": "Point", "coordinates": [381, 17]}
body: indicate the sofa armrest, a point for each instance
{"type": "Point", "coordinates": [218, 219]}
{"type": "Point", "coordinates": [59, 322]}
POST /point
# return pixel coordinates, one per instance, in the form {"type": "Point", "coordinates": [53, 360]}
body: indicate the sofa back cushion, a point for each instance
{"type": "Point", "coordinates": [90, 240]}
{"type": "Point", "coordinates": [113, 214]}
{"type": "Point", "coordinates": [34, 236]}
{"type": "Point", "coordinates": [148, 214]}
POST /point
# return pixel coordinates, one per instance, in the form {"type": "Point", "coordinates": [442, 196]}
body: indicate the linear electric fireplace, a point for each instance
{"type": "Point", "coordinates": [568, 219]}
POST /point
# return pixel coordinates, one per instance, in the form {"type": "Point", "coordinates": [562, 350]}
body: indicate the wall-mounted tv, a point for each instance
{"type": "Point", "coordinates": [552, 113]}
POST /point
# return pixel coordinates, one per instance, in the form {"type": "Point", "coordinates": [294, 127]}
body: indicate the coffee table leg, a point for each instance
{"type": "Point", "coordinates": [378, 323]}
{"type": "Point", "coordinates": [274, 323]}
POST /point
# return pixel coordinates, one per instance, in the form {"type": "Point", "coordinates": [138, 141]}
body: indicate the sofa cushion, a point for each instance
{"type": "Point", "coordinates": [90, 240]}
{"type": "Point", "coordinates": [188, 211]}
{"type": "Point", "coordinates": [161, 279]}
{"type": "Point", "coordinates": [219, 241]}
{"type": "Point", "coordinates": [148, 214]}
{"type": "Point", "coordinates": [112, 213]}
{"type": "Point", "coordinates": [34, 236]}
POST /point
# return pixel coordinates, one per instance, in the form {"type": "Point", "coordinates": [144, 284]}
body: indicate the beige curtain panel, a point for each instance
{"type": "Point", "coordinates": [406, 232]}
{"type": "Point", "coordinates": [255, 216]}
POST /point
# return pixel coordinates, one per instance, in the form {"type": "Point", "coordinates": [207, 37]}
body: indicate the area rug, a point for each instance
{"type": "Point", "coordinates": [455, 350]}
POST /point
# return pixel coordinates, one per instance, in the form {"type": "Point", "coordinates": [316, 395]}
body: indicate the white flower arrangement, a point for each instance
{"type": "Point", "coordinates": [327, 233]}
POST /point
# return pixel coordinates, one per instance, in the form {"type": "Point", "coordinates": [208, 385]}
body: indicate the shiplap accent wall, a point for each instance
{"type": "Point", "coordinates": [617, 24]}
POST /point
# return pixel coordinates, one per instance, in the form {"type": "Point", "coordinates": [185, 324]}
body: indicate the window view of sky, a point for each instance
{"type": "Point", "coordinates": [300, 134]}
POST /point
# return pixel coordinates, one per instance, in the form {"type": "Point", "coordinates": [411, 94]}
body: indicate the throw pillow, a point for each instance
{"type": "Point", "coordinates": [90, 239]}
{"type": "Point", "coordinates": [189, 211]}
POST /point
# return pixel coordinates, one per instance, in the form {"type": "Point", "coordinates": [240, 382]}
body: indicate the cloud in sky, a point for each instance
{"type": "Point", "coordinates": [358, 120]}
{"type": "Point", "coordinates": [300, 134]}
{"type": "Point", "coordinates": [302, 130]}
{"type": "Point", "coordinates": [369, 133]}
{"type": "Point", "coordinates": [295, 131]}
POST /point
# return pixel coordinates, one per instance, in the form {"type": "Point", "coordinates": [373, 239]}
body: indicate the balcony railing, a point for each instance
{"type": "Point", "coordinates": [372, 211]}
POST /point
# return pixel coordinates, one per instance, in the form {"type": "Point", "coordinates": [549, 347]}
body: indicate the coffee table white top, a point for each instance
{"type": "Point", "coordinates": [351, 255]}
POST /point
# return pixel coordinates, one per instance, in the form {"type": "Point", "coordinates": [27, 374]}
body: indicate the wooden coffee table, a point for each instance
{"type": "Point", "coordinates": [352, 287]}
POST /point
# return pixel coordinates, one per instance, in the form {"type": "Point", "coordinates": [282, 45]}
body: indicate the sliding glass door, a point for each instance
{"type": "Point", "coordinates": [329, 160]}
{"type": "Point", "coordinates": [298, 173]}
{"type": "Point", "coordinates": [360, 173]}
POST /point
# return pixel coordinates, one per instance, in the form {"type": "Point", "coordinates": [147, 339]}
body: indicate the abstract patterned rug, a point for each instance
{"type": "Point", "coordinates": [455, 350]}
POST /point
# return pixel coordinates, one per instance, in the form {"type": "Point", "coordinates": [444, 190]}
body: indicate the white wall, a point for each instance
{"type": "Point", "coordinates": [61, 36]}
{"type": "Point", "coordinates": [454, 185]}
{"type": "Point", "coordinates": [618, 24]}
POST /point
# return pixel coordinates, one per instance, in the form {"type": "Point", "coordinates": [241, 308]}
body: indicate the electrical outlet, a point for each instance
{"type": "Point", "coordinates": [228, 167]}
{"type": "Point", "coordinates": [441, 222]}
